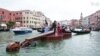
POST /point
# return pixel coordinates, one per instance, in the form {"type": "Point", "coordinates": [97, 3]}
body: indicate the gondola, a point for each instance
{"type": "Point", "coordinates": [81, 31]}
{"type": "Point", "coordinates": [66, 31]}
{"type": "Point", "coordinates": [97, 29]}
{"type": "Point", "coordinates": [41, 30]}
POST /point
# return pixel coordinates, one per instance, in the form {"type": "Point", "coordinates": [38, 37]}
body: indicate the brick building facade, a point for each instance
{"type": "Point", "coordinates": [26, 18]}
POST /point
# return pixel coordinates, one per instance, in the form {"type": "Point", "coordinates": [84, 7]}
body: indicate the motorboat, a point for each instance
{"type": "Point", "coordinates": [4, 30]}
{"type": "Point", "coordinates": [22, 30]}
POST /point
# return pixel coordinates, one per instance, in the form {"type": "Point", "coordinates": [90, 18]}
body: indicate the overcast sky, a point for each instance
{"type": "Point", "coordinates": [55, 9]}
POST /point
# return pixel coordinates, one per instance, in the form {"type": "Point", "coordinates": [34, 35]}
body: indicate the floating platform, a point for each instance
{"type": "Point", "coordinates": [49, 36]}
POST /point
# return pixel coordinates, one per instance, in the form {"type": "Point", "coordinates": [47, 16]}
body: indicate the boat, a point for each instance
{"type": "Point", "coordinates": [97, 29]}
{"type": "Point", "coordinates": [80, 31]}
{"type": "Point", "coordinates": [66, 30]}
{"type": "Point", "coordinates": [22, 30]}
{"type": "Point", "coordinates": [63, 30]}
{"type": "Point", "coordinates": [4, 30]}
{"type": "Point", "coordinates": [62, 36]}
{"type": "Point", "coordinates": [41, 30]}
{"type": "Point", "coordinates": [48, 36]}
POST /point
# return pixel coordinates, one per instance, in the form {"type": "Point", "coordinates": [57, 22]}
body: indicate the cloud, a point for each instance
{"type": "Point", "coordinates": [95, 3]}
{"type": "Point", "coordinates": [54, 9]}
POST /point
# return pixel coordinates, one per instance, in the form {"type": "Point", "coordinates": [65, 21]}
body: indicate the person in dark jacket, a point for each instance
{"type": "Point", "coordinates": [54, 26]}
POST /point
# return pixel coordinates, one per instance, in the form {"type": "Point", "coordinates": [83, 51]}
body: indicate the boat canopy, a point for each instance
{"type": "Point", "coordinates": [3, 24]}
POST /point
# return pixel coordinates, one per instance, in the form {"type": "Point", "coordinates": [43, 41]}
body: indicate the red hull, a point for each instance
{"type": "Point", "coordinates": [48, 37]}
{"type": "Point", "coordinates": [51, 37]}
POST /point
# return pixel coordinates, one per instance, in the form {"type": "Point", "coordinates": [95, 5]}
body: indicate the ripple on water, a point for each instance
{"type": "Point", "coordinates": [78, 45]}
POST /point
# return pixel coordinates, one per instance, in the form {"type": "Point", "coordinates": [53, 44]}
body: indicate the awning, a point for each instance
{"type": "Point", "coordinates": [3, 24]}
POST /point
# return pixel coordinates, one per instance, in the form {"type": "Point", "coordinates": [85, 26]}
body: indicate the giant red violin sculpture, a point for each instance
{"type": "Point", "coordinates": [13, 47]}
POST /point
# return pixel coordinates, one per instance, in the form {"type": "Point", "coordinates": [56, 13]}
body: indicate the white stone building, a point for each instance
{"type": "Point", "coordinates": [66, 23]}
{"type": "Point", "coordinates": [85, 22]}
{"type": "Point", "coordinates": [33, 19]}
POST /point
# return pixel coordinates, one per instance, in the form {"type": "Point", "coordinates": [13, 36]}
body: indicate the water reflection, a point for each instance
{"type": "Point", "coordinates": [6, 37]}
{"type": "Point", "coordinates": [12, 54]}
{"type": "Point", "coordinates": [52, 45]}
{"type": "Point", "coordinates": [44, 48]}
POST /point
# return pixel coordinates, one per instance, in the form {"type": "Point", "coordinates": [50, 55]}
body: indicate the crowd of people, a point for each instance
{"type": "Point", "coordinates": [55, 26]}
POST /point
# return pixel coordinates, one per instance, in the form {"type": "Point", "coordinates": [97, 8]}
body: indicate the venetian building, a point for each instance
{"type": "Point", "coordinates": [80, 21]}
{"type": "Point", "coordinates": [6, 15]}
{"type": "Point", "coordinates": [66, 23]}
{"type": "Point", "coordinates": [94, 19]}
{"type": "Point", "coordinates": [42, 19]}
{"type": "Point", "coordinates": [33, 19]}
{"type": "Point", "coordinates": [84, 21]}
{"type": "Point", "coordinates": [24, 18]}
{"type": "Point", "coordinates": [74, 23]}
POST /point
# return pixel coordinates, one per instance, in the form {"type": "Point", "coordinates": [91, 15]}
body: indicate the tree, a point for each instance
{"type": "Point", "coordinates": [10, 24]}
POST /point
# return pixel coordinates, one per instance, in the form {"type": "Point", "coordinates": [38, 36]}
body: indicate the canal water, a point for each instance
{"type": "Point", "coordinates": [78, 45]}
